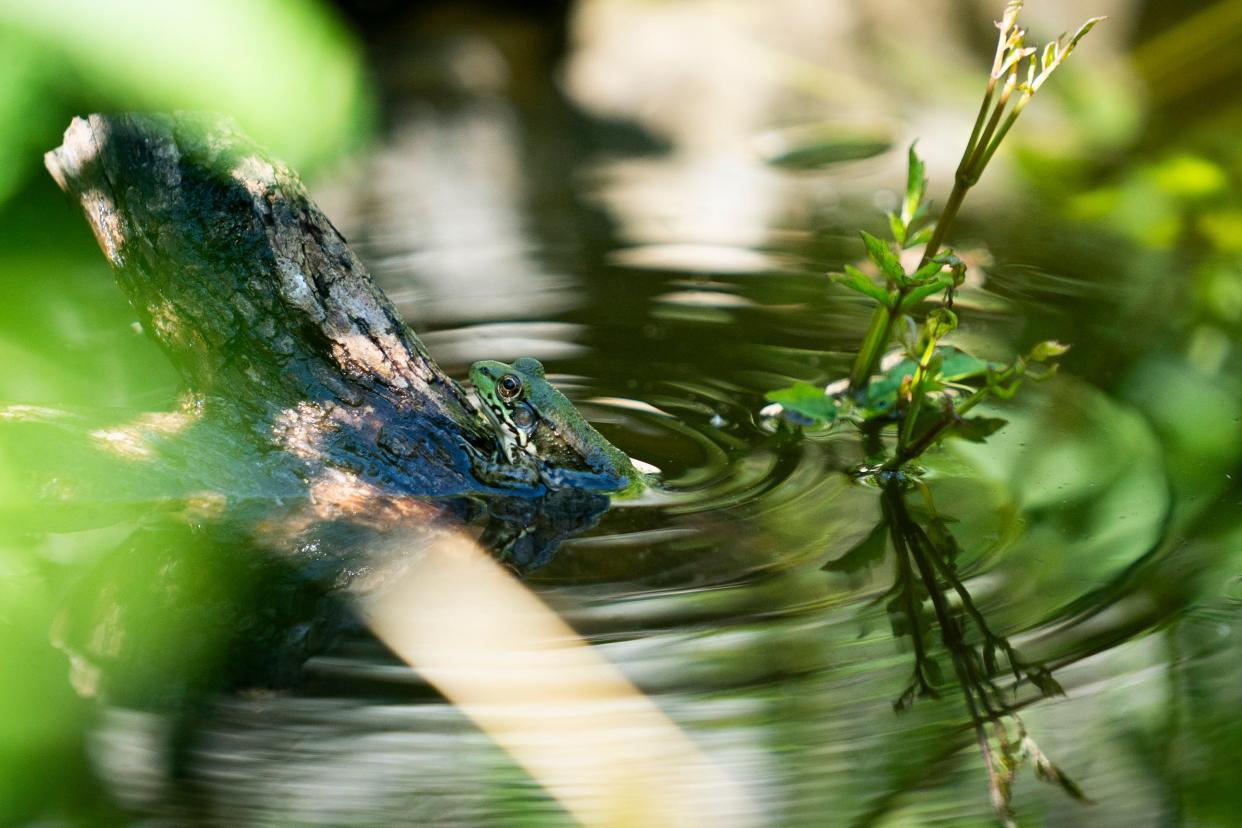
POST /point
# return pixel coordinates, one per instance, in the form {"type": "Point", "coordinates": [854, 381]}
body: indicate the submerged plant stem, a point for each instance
{"type": "Point", "coordinates": [879, 332]}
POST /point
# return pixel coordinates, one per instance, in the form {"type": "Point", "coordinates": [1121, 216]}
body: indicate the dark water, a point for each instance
{"type": "Point", "coordinates": [709, 592]}
{"type": "Point", "coordinates": [1098, 531]}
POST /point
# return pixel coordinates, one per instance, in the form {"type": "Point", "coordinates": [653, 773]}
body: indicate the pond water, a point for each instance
{"type": "Point", "coordinates": [709, 592]}
{"type": "Point", "coordinates": [666, 291]}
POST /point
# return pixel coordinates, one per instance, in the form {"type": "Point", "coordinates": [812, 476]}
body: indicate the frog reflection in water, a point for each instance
{"type": "Point", "coordinates": [539, 427]}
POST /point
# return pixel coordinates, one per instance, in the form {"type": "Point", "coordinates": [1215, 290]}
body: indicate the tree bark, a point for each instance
{"type": "Point", "coordinates": [283, 339]}
{"type": "Point", "coordinates": [316, 430]}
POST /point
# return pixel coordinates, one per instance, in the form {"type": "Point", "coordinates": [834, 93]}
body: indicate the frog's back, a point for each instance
{"type": "Point", "coordinates": [557, 410]}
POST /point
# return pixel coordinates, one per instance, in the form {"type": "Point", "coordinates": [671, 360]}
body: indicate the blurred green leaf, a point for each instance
{"type": "Point", "coordinates": [805, 399]}
{"type": "Point", "coordinates": [1082, 32]}
{"type": "Point", "coordinates": [856, 280]}
{"type": "Point", "coordinates": [956, 365]}
{"type": "Point", "coordinates": [1049, 349]}
{"type": "Point", "coordinates": [815, 146]}
{"type": "Point", "coordinates": [940, 323]}
{"type": "Point", "coordinates": [1189, 177]}
{"type": "Point", "coordinates": [884, 258]}
{"type": "Point", "coordinates": [898, 617]}
{"type": "Point", "coordinates": [927, 272]}
{"type": "Point", "coordinates": [916, 187]}
{"type": "Point", "coordinates": [921, 237]}
{"type": "Point", "coordinates": [918, 294]}
{"type": "Point", "coordinates": [24, 115]}
{"type": "Point", "coordinates": [898, 228]}
{"type": "Point", "coordinates": [287, 70]}
{"type": "Point", "coordinates": [867, 552]}
{"type": "Point", "coordinates": [1014, 56]}
{"type": "Point", "coordinates": [941, 538]}
{"type": "Point", "coordinates": [977, 429]}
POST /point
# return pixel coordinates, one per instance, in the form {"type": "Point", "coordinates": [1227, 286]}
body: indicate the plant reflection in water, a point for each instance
{"type": "Point", "coordinates": [928, 597]}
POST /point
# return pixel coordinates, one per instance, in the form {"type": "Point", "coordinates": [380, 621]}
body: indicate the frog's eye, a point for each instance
{"type": "Point", "coordinates": [523, 417]}
{"type": "Point", "coordinates": [509, 386]}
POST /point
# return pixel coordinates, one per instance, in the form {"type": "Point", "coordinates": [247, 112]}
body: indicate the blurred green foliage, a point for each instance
{"type": "Point", "coordinates": [294, 78]}
{"type": "Point", "coordinates": [286, 69]}
{"type": "Point", "coordinates": [1134, 206]}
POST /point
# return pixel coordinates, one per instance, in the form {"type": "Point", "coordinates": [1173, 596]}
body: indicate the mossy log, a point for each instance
{"type": "Point", "coordinates": [300, 374]}
{"type": "Point", "coordinates": [316, 452]}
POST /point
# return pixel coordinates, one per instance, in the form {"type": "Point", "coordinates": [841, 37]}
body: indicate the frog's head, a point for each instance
{"type": "Point", "coordinates": [505, 391]}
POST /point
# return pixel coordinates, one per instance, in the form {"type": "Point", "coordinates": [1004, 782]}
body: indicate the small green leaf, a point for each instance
{"type": "Point", "coordinates": [921, 237]}
{"type": "Point", "coordinates": [1049, 772]}
{"type": "Point", "coordinates": [1044, 351]}
{"type": "Point", "coordinates": [899, 619]}
{"type": "Point", "coordinates": [907, 334]}
{"type": "Point", "coordinates": [927, 272]}
{"type": "Point", "coordinates": [1042, 678]}
{"type": "Point", "coordinates": [942, 539]}
{"type": "Point", "coordinates": [1005, 390]}
{"type": "Point", "coordinates": [805, 399]}
{"type": "Point", "coordinates": [855, 279]}
{"type": "Point", "coordinates": [1014, 56]}
{"type": "Point", "coordinates": [940, 323]}
{"type": "Point", "coordinates": [916, 187]}
{"type": "Point", "coordinates": [923, 291]}
{"type": "Point", "coordinates": [884, 258]}
{"type": "Point", "coordinates": [1082, 32]}
{"type": "Point", "coordinates": [956, 365]}
{"type": "Point", "coordinates": [867, 552]}
{"type": "Point", "coordinates": [820, 145]}
{"type": "Point", "coordinates": [978, 429]}
{"type": "Point", "coordinates": [898, 228]}
{"type": "Point", "coordinates": [1049, 56]}
{"type": "Point", "coordinates": [882, 391]}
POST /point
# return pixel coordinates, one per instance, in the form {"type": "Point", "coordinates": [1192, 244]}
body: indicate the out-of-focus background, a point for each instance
{"type": "Point", "coordinates": [646, 195]}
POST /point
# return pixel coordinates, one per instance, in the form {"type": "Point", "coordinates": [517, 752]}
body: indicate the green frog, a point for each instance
{"type": "Point", "coordinates": [539, 428]}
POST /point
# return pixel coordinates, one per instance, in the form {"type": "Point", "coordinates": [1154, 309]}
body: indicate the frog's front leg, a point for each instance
{"type": "Point", "coordinates": [494, 472]}
{"type": "Point", "coordinates": [557, 478]}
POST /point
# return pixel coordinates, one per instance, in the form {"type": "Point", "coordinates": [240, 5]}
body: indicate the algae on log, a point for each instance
{"type": "Point", "coordinates": [282, 337]}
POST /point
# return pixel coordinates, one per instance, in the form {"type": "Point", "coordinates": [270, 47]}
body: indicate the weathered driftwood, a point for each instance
{"type": "Point", "coordinates": [284, 341]}
{"type": "Point", "coordinates": [316, 432]}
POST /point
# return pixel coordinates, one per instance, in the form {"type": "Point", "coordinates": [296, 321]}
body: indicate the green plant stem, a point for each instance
{"type": "Point", "coordinates": [974, 159]}
{"type": "Point", "coordinates": [916, 395]}
{"type": "Point", "coordinates": [1003, 131]}
{"type": "Point", "coordinates": [973, 162]}
{"type": "Point", "coordinates": [956, 196]}
{"type": "Point", "coordinates": [951, 416]}
{"type": "Point", "coordinates": [980, 119]}
{"type": "Point", "coordinates": [879, 331]}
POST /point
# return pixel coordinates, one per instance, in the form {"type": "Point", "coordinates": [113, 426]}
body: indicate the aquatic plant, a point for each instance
{"type": "Point", "coordinates": [908, 382]}
{"type": "Point", "coordinates": [933, 374]}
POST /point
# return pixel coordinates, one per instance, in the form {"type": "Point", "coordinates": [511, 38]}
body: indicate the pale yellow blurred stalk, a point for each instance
{"type": "Point", "coordinates": [582, 730]}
